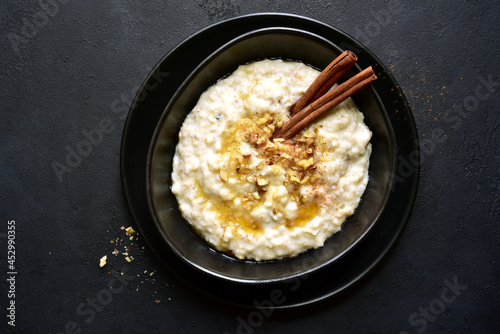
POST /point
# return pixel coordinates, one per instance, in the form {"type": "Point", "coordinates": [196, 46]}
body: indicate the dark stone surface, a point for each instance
{"type": "Point", "coordinates": [70, 69]}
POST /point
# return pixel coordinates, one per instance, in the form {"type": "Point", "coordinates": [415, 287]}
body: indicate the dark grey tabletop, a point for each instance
{"type": "Point", "coordinates": [69, 73]}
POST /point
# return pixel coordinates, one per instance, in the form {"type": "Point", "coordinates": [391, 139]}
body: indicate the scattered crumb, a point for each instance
{"type": "Point", "coordinates": [128, 249]}
{"type": "Point", "coordinates": [129, 230]}
{"type": "Point", "coordinates": [102, 262]}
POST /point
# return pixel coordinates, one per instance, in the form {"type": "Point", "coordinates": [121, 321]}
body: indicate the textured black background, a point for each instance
{"type": "Point", "coordinates": [65, 72]}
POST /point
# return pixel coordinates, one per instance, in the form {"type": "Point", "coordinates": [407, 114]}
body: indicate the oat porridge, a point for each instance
{"type": "Point", "coordinates": [262, 198]}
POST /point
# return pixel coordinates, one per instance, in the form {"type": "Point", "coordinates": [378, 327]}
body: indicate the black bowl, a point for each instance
{"type": "Point", "coordinates": [283, 43]}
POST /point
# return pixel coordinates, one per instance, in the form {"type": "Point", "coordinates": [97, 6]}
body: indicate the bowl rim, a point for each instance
{"type": "Point", "coordinates": [164, 115]}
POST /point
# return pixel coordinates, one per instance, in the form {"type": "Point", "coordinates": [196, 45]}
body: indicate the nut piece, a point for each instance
{"type": "Point", "coordinates": [224, 176]}
{"type": "Point", "coordinates": [129, 230]}
{"type": "Point", "coordinates": [306, 163]}
{"type": "Point", "coordinates": [305, 179]}
{"type": "Point", "coordinates": [262, 182]}
{"type": "Point", "coordinates": [102, 262]}
{"type": "Point", "coordinates": [267, 118]}
{"type": "Point", "coordinates": [261, 140]}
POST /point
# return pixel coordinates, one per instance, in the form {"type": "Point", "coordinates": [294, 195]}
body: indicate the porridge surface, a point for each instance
{"type": "Point", "coordinates": [258, 198]}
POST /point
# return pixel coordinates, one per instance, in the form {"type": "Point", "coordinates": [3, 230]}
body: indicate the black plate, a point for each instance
{"type": "Point", "coordinates": [145, 113]}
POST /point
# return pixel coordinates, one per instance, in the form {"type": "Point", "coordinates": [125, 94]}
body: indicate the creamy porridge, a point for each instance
{"type": "Point", "coordinates": [260, 198]}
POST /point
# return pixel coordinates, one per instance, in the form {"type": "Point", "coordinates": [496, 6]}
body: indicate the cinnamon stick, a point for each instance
{"type": "Point", "coordinates": [327, 78]}
{"type": "Point", "coordinates": [316, 109]}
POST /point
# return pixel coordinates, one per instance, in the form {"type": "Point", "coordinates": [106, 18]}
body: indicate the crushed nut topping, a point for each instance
{"type": "Point", "coordinates": [255, 161]}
